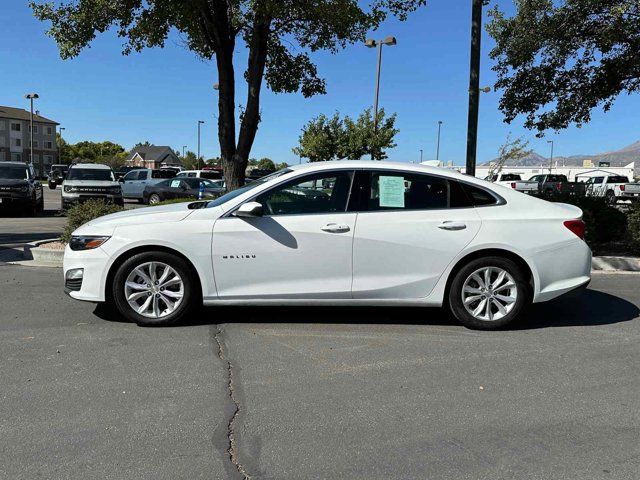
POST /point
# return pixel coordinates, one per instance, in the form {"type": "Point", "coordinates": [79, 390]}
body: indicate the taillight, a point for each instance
{"type": "Point", "coordinates": [622, 188]}
{"type": "Point", "coordinates": [576, 226]}
{"type": "Point", "coordinates": [559, 186]}
{"type": "Point", "coordinates": [513, 185]}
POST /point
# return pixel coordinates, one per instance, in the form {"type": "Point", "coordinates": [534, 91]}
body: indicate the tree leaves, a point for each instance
{"type": "Point", "coordinates": [324, 139]}
{"type": "Point", "coordinates": [557, 61]}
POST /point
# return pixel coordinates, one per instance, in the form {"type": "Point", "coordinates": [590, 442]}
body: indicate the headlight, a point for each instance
{"type": "Point", "coordinates": [115, 190]}
{"type": "Point", "coordinates": [23, 189]}
{"type": "Point", "coordinates": [69, 189]}
{"type": "Point", "coordinates": [86, 242]}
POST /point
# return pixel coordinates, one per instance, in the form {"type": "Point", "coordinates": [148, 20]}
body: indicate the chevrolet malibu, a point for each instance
{"type": "Point", "coordinates": [336, 233]}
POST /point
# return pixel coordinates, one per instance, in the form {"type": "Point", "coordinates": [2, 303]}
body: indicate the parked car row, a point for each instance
{"type": "Point", "coordinates": [612, 187]}
{"type": "Point", "coordinates": [20, 189]}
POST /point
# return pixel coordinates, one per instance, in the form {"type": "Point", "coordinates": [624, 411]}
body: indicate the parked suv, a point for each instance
{"type": "Point", "coordinates": [19, 188]}
{"type": "Point", "coordinates": [86, 181]}
{"type": "Point", "coordinates": [613, 188]}
{"type": "Point", "coordinates": [56, 175]}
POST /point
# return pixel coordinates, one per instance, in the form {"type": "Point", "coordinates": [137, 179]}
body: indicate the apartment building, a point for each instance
{"type": "Point", "coordinates": [15, 137]}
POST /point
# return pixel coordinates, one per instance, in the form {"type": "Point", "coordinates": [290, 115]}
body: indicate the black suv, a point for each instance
{"type": "Point", "coordinates": [19, 188]}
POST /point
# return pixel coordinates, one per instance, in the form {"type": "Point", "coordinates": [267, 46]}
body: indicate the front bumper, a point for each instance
{"type": "Point", "coordinates": [71, 199]}
{"type": "Point", "coordinates": [15, 201]}
{"type": "Point", "coordinates": [95, 263]}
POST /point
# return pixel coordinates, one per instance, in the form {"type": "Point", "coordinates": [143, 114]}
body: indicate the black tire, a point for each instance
{"type": "Point", "coordinates": [31, 210]}
{"type": "Point", "coordinates": [455, 300]}
{"type": "Point", "coordinates": [611, 197]}
{"type": "Point", "coordinates": [548, 193]}
{"type": "Point", "coordinates": [191, 288]}
{"type": "Point", "coordinates": [154, 198]}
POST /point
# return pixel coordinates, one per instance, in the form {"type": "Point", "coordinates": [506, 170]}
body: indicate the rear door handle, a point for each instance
{"type": "Point", "coordinates": [452, 226]}
{"type": "Point", "coordinates": [335, 228]}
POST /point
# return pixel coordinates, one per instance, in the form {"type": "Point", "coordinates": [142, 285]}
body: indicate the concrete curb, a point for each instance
{"type": "Point", "coordinates": [615, 264]}
{"type": "Point", "coordinates": [36, 256]}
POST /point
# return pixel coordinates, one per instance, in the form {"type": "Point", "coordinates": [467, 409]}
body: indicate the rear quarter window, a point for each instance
{"type": "Point", "coordinates": [478, 196]}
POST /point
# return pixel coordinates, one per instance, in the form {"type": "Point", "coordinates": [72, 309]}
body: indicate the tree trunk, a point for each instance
{"type": "Point", "coordinates": [234, 169]}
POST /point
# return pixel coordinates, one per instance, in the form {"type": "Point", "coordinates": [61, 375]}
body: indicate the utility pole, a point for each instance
{"type": "Point", "coordinates": [372, 44]}
{"type": "Point", "coordinates": [31, 97]}
{"type": "Point", "coordinates": [551, 159]}
{"type": "Point", "coordinates": [438, 143]}
{"type": "Point", "coordinates": [420, 155]}
{"type": "Point", "coordinates": [200, 122]}
{"type": "Point", "coordinates": [474, 86]}
{"type": "Point", "coordinates": [62, 129]}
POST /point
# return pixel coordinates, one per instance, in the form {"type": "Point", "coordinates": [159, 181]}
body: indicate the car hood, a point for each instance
{"type": "Point", "coordinates": [12, 183]}
{"type": "Point", "coordinates": [90, 183]}
{"type": "Point", "coordinates": [139, 216]}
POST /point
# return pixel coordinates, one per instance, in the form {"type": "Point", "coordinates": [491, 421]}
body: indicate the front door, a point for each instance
{"type": "Point", "coordinates": [134, 183]}
{"type": "Point", "coordinates": [410, 227]}
{"type": "Point", "coordinates": [299, 248]}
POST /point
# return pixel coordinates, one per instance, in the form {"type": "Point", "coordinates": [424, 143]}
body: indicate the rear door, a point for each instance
{"type": "Point", "coordinates": [410, 227]}
{"type": "Point", "coordinates": [134, 183]}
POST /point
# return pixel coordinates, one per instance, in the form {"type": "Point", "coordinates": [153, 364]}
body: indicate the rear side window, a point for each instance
{"type": "Point", "coordinates": [510, 177]}
{"type": "Point", "coordinates": [617, 179]}
{"type": "Point", "coordinates": [478, 196]}
{"type": "Point", "coordinates": [211, 174]}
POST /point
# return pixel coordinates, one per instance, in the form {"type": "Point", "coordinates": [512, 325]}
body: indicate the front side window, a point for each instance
{"type": "Point", "coordinates": [598, 180]}
{"type": "Point", "coordinates": [510, 177]}
{"type": "Point", "coordinates": [324, 192]}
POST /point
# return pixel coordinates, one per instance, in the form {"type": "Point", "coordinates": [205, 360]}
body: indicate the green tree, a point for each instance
{"type": "Point", "coordinates": [280, 37]}
{"type": "Point", "coordinates": [190, 160]}
{"type": "Point", "coordinates": [266, 164]}
{"type": "Point", "coordinates": [360, 140]}
{"type": "Point", "coordinates": [281, 165]}
{"type": "Point", "coordinates": [321, 139]}
{"type": "Point", "coordinates": [558, 60]}
{"type": "Point", "coordinates": [324, 139]}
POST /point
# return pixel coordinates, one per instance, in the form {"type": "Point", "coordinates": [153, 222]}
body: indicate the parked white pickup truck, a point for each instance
{"type": "Point", "coordinates": [514, 181]}
{"type": "Point", "coordinates": [613, 188]}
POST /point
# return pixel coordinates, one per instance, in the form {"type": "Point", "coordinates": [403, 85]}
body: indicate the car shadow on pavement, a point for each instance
{"type": "Point", "coordinates": [591, 308]}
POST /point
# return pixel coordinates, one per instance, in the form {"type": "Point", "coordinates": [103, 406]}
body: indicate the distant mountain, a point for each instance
{"type": "Point", "coordinates": [618, 158]}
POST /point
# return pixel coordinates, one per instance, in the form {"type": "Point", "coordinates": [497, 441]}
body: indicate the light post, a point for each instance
{"type": "Point", "coordinates": [438, 142]}
{"type": "Point", "coordinates": [390, 41]}
{"type": "Point", "coordinates": [31, 97]}
{"type": "Point", "coordinates": [62, 129]}
{"type": "Point", "coordinates": [474, 84]}
{"type": "Point", "coordinates": [183, 147]}
{"type": "Point", "coordinates": [420, 155]}
{"type": "Point", "coordinates": [200, 122]}
{"type": "Point", "coordinates": [551, 159]}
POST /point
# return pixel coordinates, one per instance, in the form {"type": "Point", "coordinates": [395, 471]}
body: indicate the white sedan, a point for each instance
{"type": "Point", "coordinates": [336, 233]}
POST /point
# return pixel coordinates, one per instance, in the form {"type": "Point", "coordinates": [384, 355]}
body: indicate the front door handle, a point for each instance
{"type": "Point", "coordinates": [335, 228]}
{"type": "Point", "coordinates": [452, 226]}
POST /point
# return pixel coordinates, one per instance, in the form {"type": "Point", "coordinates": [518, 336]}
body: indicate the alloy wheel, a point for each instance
{"type": "Point", "coordinates": [153, 199]}
{"type": "Point", "coordinates": [489, 293]}
{"type": "Point", "coordinates": [154, 289]}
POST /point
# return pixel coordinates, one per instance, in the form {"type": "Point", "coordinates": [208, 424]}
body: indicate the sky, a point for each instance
{"type": "Point", "coordinates": [160, 94]}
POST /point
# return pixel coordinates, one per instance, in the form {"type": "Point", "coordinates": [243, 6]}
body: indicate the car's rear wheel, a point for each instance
{"type": "Point", "coordinates": [155, 289]}
{"type": "Point", "coordinates": [488, 293]}
{"type": "Point", "coordinates": [611, 197]}
{"type": "Point", "coordinates": [154, 198]}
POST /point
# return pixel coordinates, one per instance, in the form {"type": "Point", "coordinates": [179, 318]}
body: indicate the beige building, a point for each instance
{"type": "Point", "coordinates": [15, 138]}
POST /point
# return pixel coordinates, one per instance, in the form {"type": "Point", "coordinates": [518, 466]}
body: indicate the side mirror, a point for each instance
{"type": "Point", "coordinates": [249, 209]}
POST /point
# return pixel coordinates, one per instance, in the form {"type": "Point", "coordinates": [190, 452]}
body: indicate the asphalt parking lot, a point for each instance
{"type": "Point", "coordinates": [317, 393]}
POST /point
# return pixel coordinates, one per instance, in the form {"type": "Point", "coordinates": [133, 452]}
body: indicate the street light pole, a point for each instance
{"type": "Point", "coordinates": [31, 97]}
{"type": "Point", "coordinates": [183, 147]}
{"type": "Point", "coordinates": [474, 86]}
{"type": "Point", "coordinates": [551, 159]}
{"type": "Point", "coordinates": [438, 143]}
{"type": "Point", "coordinates": [420, 155]}
{"type": "Point", "coordinates": [372, 44]}
{"type": "Point", "coordinates": [200, 122]}
{"type": "Point", "coordinates": [62, 129]}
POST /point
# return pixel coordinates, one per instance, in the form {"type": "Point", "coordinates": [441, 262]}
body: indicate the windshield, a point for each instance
{"type": "Point", "coordinates": [14, 173]}
{"type": "Point", "coordinates": [90, 174]}
{"type": "Point", "coordinates": [256, 183]}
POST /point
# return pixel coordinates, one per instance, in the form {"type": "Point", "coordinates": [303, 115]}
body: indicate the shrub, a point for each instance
{"type": "Point", "coordinates": [604, 223]}
{"type": "Point", "coordinates": [84, 212]}
{"type": "Point", "coordinates": [173, 200]}
{"type": "Point", "coordinates": [634, 227]}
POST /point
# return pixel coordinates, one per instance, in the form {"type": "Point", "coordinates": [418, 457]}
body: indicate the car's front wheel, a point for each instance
{"type": "Point", "coordinates": [155, 289]}
{"type": "Point", "coordinates": [488, 293]}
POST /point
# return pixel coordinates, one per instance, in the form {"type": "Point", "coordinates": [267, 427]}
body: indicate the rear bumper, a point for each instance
{"type": "Point", "coordinates": [561, 270]}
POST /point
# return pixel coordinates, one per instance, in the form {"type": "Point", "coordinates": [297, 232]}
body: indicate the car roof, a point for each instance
{"type": "Point", "coordinates": [372, 164]}
{"type": "Point", "coordinates": [13, 164]}
{"type": "Point", "coordinates": [95, 166]}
